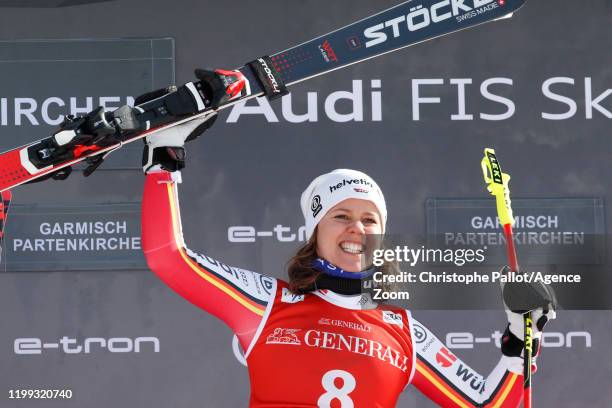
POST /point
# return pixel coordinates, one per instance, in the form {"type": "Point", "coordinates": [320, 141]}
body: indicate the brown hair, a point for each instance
{"type": "Point", "coordinates": [302, 275]}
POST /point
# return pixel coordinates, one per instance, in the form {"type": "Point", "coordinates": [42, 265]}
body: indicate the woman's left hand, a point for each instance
{"type": "Point", "coordinates": [520, 298]}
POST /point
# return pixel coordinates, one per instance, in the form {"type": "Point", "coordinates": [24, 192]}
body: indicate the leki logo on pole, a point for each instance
{"type": "Point", "coordinates": [497, 184]}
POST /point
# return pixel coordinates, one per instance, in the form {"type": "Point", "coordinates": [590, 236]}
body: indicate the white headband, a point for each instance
{"type": "Point", "coordinates": [329, 189]}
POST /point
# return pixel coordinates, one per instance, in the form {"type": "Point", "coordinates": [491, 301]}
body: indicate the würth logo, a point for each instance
{"type": "Point", "coordinates": [445, 358]}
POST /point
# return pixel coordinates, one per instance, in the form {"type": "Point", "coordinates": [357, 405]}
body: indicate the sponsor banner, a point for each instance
{"type": "Point", "coordinates": [441, 98]}
{"type": "Point", "coordinates": [86, 73]}
{"type": "Point", "coordinates": [547, 231]}
{"type": "Point", "coordinates": [550, 339]}
{"type": "Point", "coordinates": [87, 345]}
{"type": "Point", "coordinates": [278, 233]}
{"type": "Point", "coordinates": [61, 238]}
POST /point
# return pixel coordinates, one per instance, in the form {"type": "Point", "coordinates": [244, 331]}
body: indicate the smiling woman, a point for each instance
{"type": "Point", "coordinates": [343, 230]}
{"type": "Point", "coordinates": [372, 351]}
{"type": "Point", "coordinates": [345, 215]}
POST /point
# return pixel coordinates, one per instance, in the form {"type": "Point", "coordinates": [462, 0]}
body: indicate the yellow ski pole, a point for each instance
{"type": "Point", "coordinates": [497, 184]}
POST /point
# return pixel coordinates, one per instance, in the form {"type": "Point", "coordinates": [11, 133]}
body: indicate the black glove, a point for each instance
{"type": "Point", "coordinates": [519, 298]}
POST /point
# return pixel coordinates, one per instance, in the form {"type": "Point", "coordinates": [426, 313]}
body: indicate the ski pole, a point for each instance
{"type": "Point", "coordinates": [497, 184]}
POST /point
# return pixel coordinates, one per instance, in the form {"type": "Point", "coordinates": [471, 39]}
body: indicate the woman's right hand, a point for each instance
{"type": "Point", "coordinates": [164, 149]}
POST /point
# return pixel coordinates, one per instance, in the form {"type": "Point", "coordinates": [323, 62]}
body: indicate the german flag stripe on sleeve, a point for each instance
{"type": "Point", "coordinates": [251, 303]}
{"type": "Point", "coordinates": [444, 387]}
{"type": "Point", "coordinates": [501, 392]}
{"type": "Point", "coordinates": [459, 398]}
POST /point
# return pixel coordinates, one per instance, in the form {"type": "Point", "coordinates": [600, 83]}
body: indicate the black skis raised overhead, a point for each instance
{"type": "Point", "coordinates": [92, 137]}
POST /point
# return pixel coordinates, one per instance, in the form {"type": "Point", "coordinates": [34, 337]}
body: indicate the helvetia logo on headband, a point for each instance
{"type": "Point", "coordinates": [350, 182]}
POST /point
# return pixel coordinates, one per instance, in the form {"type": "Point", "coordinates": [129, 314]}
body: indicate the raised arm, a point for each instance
{"type": "Point", "coordinates": [450, 382]}
{"type": "Point", "coordinates": [236, 296]}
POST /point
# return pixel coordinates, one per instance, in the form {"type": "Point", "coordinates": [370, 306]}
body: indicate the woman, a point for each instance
{"type": "Point", "coordinates": [346, 349]}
